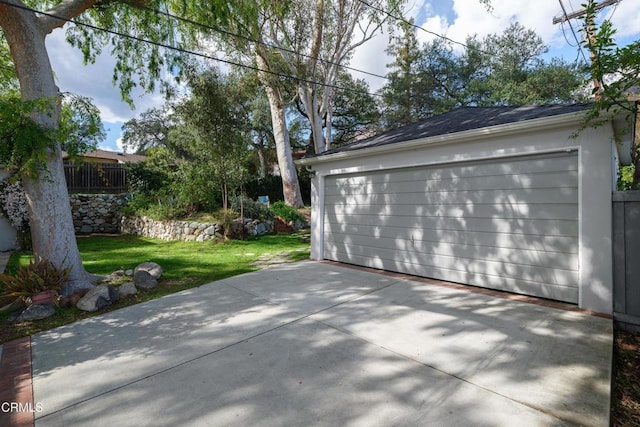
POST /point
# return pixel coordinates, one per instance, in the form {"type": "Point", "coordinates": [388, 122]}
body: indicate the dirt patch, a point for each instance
{"type": "Point", "coordinates": [278, 258]}
{"type": "Point", "coordinates": [625, 406]}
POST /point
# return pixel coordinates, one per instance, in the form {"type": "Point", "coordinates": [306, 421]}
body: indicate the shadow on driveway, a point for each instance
{"type": "Point", "coordinates": [320, 344]}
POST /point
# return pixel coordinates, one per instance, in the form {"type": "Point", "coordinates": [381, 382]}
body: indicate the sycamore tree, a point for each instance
{"type": "Point", "coordinates": [298, 48]}
{"type": "Point", "coordinates": [24, 27]}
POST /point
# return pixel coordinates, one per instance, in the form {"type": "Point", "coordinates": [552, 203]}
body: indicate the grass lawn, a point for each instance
{"type": "Point", "coordinates": [185, 264]}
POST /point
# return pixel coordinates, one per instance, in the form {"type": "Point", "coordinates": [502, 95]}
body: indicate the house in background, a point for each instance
{"type": "Point", "coordinates": [507, 198]}
{"type": "Point", "coordinates": [105, 156]}
{"type": "Point", "coordinates": [98, 171]}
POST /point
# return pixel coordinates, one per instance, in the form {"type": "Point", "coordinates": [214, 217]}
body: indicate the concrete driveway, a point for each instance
{"type": "Point", "coordinates": [320, 344]}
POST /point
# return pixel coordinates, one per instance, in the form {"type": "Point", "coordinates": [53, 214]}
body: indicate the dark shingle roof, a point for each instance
{"type": "Point", "coordinates": [459, 120]}
{"type": "Point", "coordinates": [110, 155]}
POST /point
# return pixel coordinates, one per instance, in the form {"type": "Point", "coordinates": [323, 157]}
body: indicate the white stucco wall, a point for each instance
{"type": "Point", "coordinates": [595, 157]}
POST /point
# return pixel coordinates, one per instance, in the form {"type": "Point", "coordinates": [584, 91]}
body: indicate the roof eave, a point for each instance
{"type": "Point", "coordinates": [549, 122]}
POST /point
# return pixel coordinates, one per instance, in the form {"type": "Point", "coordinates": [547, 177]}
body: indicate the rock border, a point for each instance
{"type": "Point", "coordinates": [187, 231]}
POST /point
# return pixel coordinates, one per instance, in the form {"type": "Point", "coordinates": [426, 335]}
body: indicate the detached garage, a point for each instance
{"type": "Point", "coordinates": [501, 197]}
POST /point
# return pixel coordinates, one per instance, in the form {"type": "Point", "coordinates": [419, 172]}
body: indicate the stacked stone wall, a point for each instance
{"type": "Point", "coordinates": [187, 231]}
{"type": "Point", "coordinates": [96, 213]}
{"type": "Point", "coordinates": [99, 213]}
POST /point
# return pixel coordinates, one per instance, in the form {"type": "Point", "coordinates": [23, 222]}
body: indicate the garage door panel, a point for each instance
{"type": "Point", "coordinates": [474, 170]}
{"type": "Point", "coordinates": [537, 227]}
{"type": "Point", "coordinates": [504, 268]}
{"type": "Point", "coordinates": [538, 195]}
{"type": "Point", "coordinates": [520, 181]}
{"type": "Point", "coordinates": [558, 244]}
{"type": "Point", "coordinates": [508, 224]}
{"type": "Point", "coordinates": [538, 289]}
{"type": "Point", "coordinates": [527, 256]}
{"type": "Point", "coordinates": [564, 211]}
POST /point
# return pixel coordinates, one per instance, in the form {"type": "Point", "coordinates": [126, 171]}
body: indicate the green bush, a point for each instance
{"type": "Point", "coordinates": [251, 208]}
{"type": "Point", "coordinates": [36, 277]}
{"type": "Point", "coordinates": [156, 207]}
{"type": "Point", "coordinates": [286, 212]}
{"type": "Point", "coordinates": [269, 185]}
{"type": "Point", "coordinates": [625, 178]}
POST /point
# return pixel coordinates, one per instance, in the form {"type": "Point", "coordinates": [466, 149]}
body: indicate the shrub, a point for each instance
{"type": "Point", "coordinates": [625, 178]}
{"type": "Point", "coordinates": [38, 276]}
{"type": "Point", "coordinates": [286, 212]}
{"type": "Point", "coordinates": [270, 185]}
{"type": "Point", "coordinates": [251, 208]}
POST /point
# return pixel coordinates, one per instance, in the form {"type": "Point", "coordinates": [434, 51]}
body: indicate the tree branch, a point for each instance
{"type": "Point", "coordinates": [68, 9]}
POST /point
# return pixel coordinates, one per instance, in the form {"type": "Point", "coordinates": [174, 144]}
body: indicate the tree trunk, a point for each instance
{"type": "Point", "coordinates": [307, 97]}
{"type": "Point", "coordinates": [259, 146]}
{"type": "Point", "coordinates": [288, 173]}
{"type": "Point", "coordinates": [52, 231]}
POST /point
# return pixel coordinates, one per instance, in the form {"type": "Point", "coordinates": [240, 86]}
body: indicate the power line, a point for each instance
{"type": "Point", "coordinates": [575, 36]}
{"type": "Point", "coordinates": [183, 50]}
{"type": "Point", "coordinates": [578, 13]}
{"type": "Point", "coordinates": [249, 39]}
{"type": "Point", "coordinates": [402, 19]}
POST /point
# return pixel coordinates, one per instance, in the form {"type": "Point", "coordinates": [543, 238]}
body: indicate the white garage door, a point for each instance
{"type": "Point", "coordinates": [508, 224]}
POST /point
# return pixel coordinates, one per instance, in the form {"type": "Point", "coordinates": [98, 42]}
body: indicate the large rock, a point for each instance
{"type": "Point", "coordinates": [144, 280]}
{"type": "Point", "coordinates": [150, 267]}
{"type": "Point", "coordinates": [127, 289]}
{"type": "Point", "coordinates": [72, 287]}
{"type": "Point", "coordinates": [37, 312]}
{"type": "Point", "coordinates": [97, 298]}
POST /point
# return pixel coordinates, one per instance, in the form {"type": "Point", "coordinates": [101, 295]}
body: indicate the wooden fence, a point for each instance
{"type": "Point", "coordinates": [96, 177]}
{"type": "Point", "coordinates": [626, 269]}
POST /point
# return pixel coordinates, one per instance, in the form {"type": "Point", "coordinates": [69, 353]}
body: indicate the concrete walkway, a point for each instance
{"type": "Point", "coordinates": [320, 344]}
{"type": "Point", "coordinates": [4, 259]}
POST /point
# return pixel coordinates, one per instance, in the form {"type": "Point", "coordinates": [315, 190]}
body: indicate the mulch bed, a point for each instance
{"type": "Point", "coordinates": [625, 407]}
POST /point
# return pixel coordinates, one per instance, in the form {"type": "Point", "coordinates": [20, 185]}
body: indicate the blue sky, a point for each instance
{"type": "Point", "coordinates": [456, 19]}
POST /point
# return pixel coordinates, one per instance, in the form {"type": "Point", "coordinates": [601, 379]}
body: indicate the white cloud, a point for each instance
{"type": "Point", "coordinates": [95, 81]}
{"type": "Point", "coordinates": [371, 57]}
{"type": "Point", "coordinates": [470, 17]}
{"type": "Point", "coordinates": [120, 144]}
{"type": "Point", "coordinates": [626, 18]}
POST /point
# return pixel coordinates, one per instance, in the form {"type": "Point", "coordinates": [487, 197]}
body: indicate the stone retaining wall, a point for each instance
{"type": "Point", "coordinates": [96, 213]}
{"type": "Point", "coordinates": [187, 231]}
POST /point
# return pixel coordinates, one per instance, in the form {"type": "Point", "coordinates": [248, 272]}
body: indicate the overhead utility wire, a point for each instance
{"type": "Point", "coordinates": [182, 50]}
{"type": "Point", "coordinates": [575, 36]}
{"type": "Point", "coordinates": [400, 18]}
{"type": "Point", "coordinates": [249, 39]}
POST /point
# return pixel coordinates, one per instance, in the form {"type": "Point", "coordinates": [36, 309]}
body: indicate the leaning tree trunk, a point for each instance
{"type": "Point", "coordinates": [50, 219]}
{"type": "Point", "coordinates": [288, 173]}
